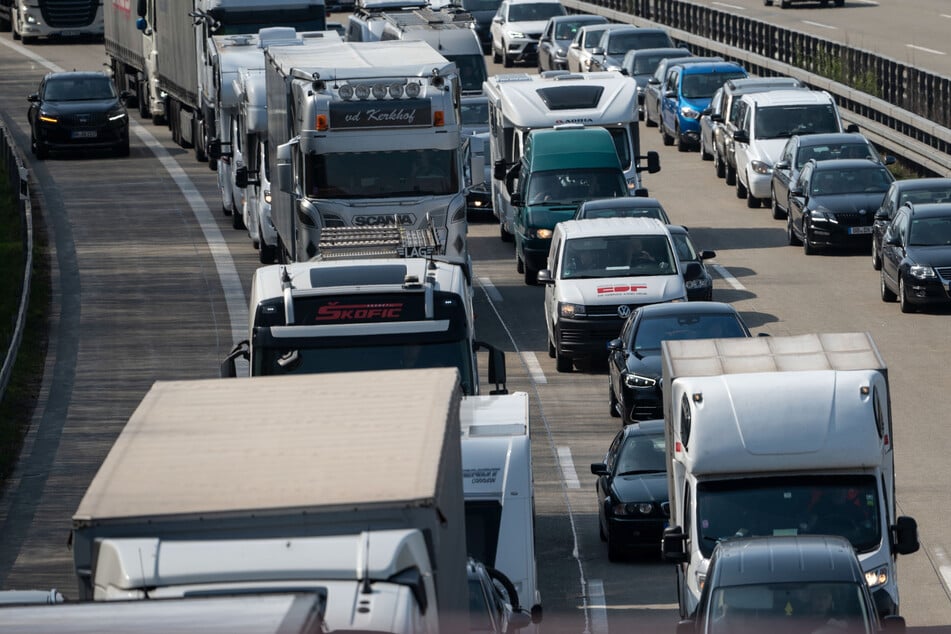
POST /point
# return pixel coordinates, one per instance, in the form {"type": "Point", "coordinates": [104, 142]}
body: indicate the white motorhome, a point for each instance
{"type": "Point", "coordinates": [364, 134]}
{"type": "Point", "coordinates": [782, 435]}
{"type": "Point", "coordinates": [519, 103]}
{"type": "Point", "coordinates": [499, 490]}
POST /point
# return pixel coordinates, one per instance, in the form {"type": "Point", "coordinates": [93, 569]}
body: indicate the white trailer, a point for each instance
{"type": "Point", "coordinates": [520, 102]}
{"type": "Point", "coordinates": [348, 482]}
{"type": "Point", "coordinates": [130, 47]}
{"type": "Point", "coordinates": [499, 490]}
{"type": "Point", "coordinates": [364, 134]}
{"type": "Point", "coordinates": [781, 436]}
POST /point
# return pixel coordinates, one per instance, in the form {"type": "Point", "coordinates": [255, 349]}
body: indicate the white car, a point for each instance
{"type": "Point", "coordinates": [599, 271]}
{"type": "Point", "coordinates": [517, 27]}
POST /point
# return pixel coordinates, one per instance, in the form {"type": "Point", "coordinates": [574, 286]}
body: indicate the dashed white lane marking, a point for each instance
{"type": "Point", "coordinates": [925, 50]}
{"type": "Point", "coordinates": [490, 289]}
{"type": "Point", "coordinates": [821, 25]}
{"type": "Point", "coordinates": [944, 566]}
{"type": "Point", "coordinates": [568, 468]}
{"type": "Point", "coordinates": [599, 613]}
{"type": "Point", "coordinates": [729, 6]}
{"type": "Point", "coordinates": [728, 277]}
{"type": "Point", "coordinates": [534, 367]}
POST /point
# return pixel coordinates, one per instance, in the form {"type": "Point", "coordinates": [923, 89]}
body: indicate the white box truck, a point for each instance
{"type": "Point", "coordinates": [499, 490]}
{"type": "Point", "coordinates": [59, 19]}
{"type": "Point", "coordinates": [345, 483]}
{"type": "Point", "coordinates": [785, 435]}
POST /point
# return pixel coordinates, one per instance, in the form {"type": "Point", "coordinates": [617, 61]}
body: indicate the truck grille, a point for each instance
{"type": "Point", "coordinates": [64, 14]}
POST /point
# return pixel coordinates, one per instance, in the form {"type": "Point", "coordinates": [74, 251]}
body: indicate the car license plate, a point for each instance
{"type": "Point", "coordinates": [69, 33]}
{"type": "Point", "coordinates": [84, 134]}
{"type": "Point", "coordinates": [859, 230]}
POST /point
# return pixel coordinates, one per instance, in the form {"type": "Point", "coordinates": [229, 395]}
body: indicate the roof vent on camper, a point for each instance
{"type": "Point", "coordinates": [575, 97]}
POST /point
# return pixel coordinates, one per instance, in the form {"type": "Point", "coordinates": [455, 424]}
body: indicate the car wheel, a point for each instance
{"type": "Point", "coordinates": [682, 145]}
{"type": "Point", "coordinates": [505, 235]}
{"type": "Point", "coordinates": [650, 123]}
{"type": "Point", "coordinates": [886, 293]}
{"type": "Point", "coordinates": [705, 155]}
{"type": "Point", "coordinates": [752, 201]}
{"type": "Point", "coordinates": [730, 175]}
{"type": "Point", "coordinates": [237, 219]}
{"type": "Point", "coordinates": [807, 247]}
{"type": "Point", "coordinates": [615, 553]}
{"type": "Point", "coordinates": [768, 3]}
{"type": "Point", "coordinates": [778, 213]}
{"type": "Point", "coordinates": [40, 150]}
{"type": "Point", "coordinates": [496, 58]}
{"type": "Point", "coordinates": [783, 4]}
{"type": "Point", "coordinates": [519, 265]}
{"type": "Point", "coordinates": [668, 140]}
{"type": "Point", "coordinates": [615, 411]}
{"type": "Point", "coordinates": [903, 302]}
{"type": "Point", "coordinates": [718, 165]}
{"type": "Point", "coordinates": [531, 276]}
{"type": "Point", "coordinates": [791, 238]}
{"type": "Point", "coordinates": [740, 188]}
{"type": "Point", "coordinates": [601, 534]}
{"type": "Point", "coordinates": [876, 257]}
{"type": "Point", "coordinates": [122, 149]}
{"type": "Point", "coordinates": [551, 349]}
{"type": "Point", "coordinates": [840, 3]}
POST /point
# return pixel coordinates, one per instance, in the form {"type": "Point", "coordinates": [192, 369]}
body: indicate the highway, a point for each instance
{"type": "Point", "coordinates": [151, 283]}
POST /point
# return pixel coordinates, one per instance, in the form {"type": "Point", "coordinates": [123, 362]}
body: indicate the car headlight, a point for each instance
{"type": "Point", "coordinates": [876, 577]}
{"type": "Point", "coordinates": [267, 196]}
{"type": "Point", "coordinates": [570, 310]}
{"type": "Point", "coordinates": [688, 113]}
{"type": "Point", "coordinates": [639, 380]}
{"type": "Point", "coordinates": [516, 35]}
{"type": "Point", "coordinates": [822, 214]}
{"type": "Point", "coordinates": [48, 118]}
{"type": "Point", "coordinates": [117, 116]}
{"type": "Point", "coordinates": [761, 168]}
{"type": "Point", "coordinates": [541, 234]}
{"type": "Point", "coordinates": [631, 183]}
{"type": "Point", "coordinates": [635, 508]}
{"type": "Point", "coordinates": [614, 67]}
{"type": "Point", "coordinates": [699, 283]}
{"type": "Point", "coordinates": [921, 272]}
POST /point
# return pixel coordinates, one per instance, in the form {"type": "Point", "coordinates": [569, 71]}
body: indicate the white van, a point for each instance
{"type": "Point", "coordinates": [599, 271]}
{"type": "Point", "coordinates": [764, 121]}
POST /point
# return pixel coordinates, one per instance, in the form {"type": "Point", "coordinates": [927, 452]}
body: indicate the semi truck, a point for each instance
{"type": "Point", "coordinates": [363, 134]}
{"type": "Point", "coordinates": [785, 435]}
{"type": "Point", "coordinates": [520, 103]}
{"type": "Point", "coordinates": [164, 52]}
{"type": "Point", "coordinates": [361, 306]}
{"type": "Point", "coordinates": [346, 484]}
{"type": "Point", "coordinates": [61, 19]}
{"type": "Point", "coordinates": [499, 490]}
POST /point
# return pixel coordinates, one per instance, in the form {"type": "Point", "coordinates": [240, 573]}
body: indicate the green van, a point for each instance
{"type": "Point", "coordinates": [560, 168]}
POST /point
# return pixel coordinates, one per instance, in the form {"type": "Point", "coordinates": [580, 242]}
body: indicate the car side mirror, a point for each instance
{"type": "Point", "coordinates": [740, 136]}
{"type": "Point", "coordinates": [499, 170]}
{"type": "Point", "coordinates": [544, 277]}
{"type": "Point", "coordinates": [881, 214]}
{"type": "Point", "coordinates": [670, 94]}
{"type": "Point", "coordinates": [781, 166]}
{"type": "Point", "coordinates": [708, 255]}
{"type": "Point", "coordinates": [692, 271]}
{"type": "Point", "coordinates": [892, 240]}
{"type": "Point", "coordinates": [624, 72]}
{"type": "Point", "coordinates": [599, 469]}
{"type": "Point", "coordinates": [653, 80]}
{"type": "Point", "coordinates": [34, 97]}
{"type": "Point", "coordinates": [795, 190]}
{"type": "Point", "coordinates": [575, 45]}
{"type": "Point", "coordinates": [905, 535]}
{"type": "Point", "coordinates": [597, 50]}
{"type": "Point", "coordinates": [498, 19]}
{"type": "Point", "coordinates": [519, 620]}
{"type": "Point", "coordinates": [888, 159]}
{"type": "Point", "coordinates": [893, 624]}
{"type": "Point", "coordinates": [852, 128]}
{"type": "Point", "coordinates": [616, 345]}
{"type": "Point", "coordinates": [214, 152]}
{"type": "Point", "coordinates": [673, 545]}
{"type": "Point", "coordinates": [716, 117]}
{"type": "Point", "coordinates": [516, 200]}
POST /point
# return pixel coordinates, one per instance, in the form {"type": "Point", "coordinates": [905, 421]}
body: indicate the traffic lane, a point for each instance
{"type": "Point", "coordinates": [835, 291]}
{"type": "Point", "coordinates": [131, 271]}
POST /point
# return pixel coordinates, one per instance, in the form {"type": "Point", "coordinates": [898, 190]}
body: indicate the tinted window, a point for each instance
{"type": "Point", "coordinates": [642, 454]}
{"type": "Point", "coordinates": [851, 181]}
{"type": "Point", "coordinates": [929, 232]}
{"type": "Point", "coordinates": [571, 97]}
{"type": "Point", "coordinates": [829, 151]}
{"type": "Point", "coordinates": [79, 89]}
{"type": "Point", "coordinates": [617, 256]}
{"type": "Point", "coordinates": [533, 11]}
{"type": "Point", "coordinates": [624, 42]}
{"type": "Point", "coordinates": [652, 330]}
{"type": "Point", "coordinates": [703, 85]}
{"type": "Point", "coordinates": [776, 122]}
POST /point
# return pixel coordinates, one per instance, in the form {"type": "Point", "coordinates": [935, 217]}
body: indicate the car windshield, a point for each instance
{"type": "Point", "coordinates": [788, 607]}
{"type": "Point", "coordinates": [481, 5]}
{"type": "Point", "coordinates": [617, 256]}
{"type": "Point", "coordinates": [828, 151]}
{"type": "Point", "coordinates": [850, 181]}
{"type": "Point", "coordinates": [917, 196]}
{"type": "Point", "coordinates": [623, 42]}
{"type": "Point", "coordinates": [684, 247]}
{"type": "Point", "coordinates": [592, 37]}
{"type": "Point", "coordinates": [647, 64]}
{"type": "Point", "coordinates": [703, 85]}
{"type": "Point", "coordinates": [534, 11]}
{"type": "Point", "coordinates": [780, 122]}
{"type": "Point", "coordinates": [86, 88]}
{"type": "Point", "coordinates": [844, 505]}
{"type": "Point", "coordinates": [653, 211]}
{"type": "Point", "coordinates": [574, 186]}
{"type": "Point", "coordinates": [568, 30]}
{"type": "Point", "coordinates": [641, 454]}
{"type": "Point", "coordinates": [930, 232]}
{"type": "Point", "coordinates": [652, 330]}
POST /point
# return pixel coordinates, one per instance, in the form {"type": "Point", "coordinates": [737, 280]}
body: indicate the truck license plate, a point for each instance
{"type": "Point", "coordinates": [84, 134]}
{"type": "Point", "coordinates": [859, 230]}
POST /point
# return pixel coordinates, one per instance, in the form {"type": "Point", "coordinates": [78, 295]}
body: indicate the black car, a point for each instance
{"type": "Point", "coordinates": [916, 257]}
{"type": "Point", "coordinates": [557, 37]}
{"type": "Point", "coordinates": [701, 288]}
{"type": "Point", "coordinates": [78, 110]}
{"type": "Point", "coordinates": [909, 190]}
{"type": "Point", "coordinates": [785, 584]}
{"type": "Point", "coordinates": [632, 490]}
{"type": "Point", "coordinates": [833, 202]}
{"type": "Point", "coordinates": [622, 207]}
{"type": "Point", "coordinates": [802, 147]}
{"type": "Point", "coordinates": [634, 362]}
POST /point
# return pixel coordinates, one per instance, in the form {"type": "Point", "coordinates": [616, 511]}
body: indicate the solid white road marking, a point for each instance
{"type": "Point", "coordinates": [821, 25]}
{"type": "Point", "coordinates": [925, 50]}
{"type": "Point", "coordinates": [728, 277]}
{"type": "Point", "coordinates": [944, 566]}
{"type": "Point", "coordinates": [534, 367]}
{"type": "Point", "coordinates": [490, 289]}
{"type": "Point", "coordinates": [729, 6]}
{"type": "Point", "coordinates": [568, 468]}
{"type": "Point", "coordinates": [599, 614]}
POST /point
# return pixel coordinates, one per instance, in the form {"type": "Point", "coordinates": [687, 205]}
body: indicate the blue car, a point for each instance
{"type": "Point", "coordinates": [687, 91]}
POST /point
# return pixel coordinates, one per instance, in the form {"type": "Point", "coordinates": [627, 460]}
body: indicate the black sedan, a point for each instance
{"type": "Point", "coordinates": [916, 257]}
{"type": "Point", "coordinates": [701, 288]}
{"type": "Point", "coordinates": [78, 111]}
{"type": "Point", "coordinates": [632, 490]}
{"type": "Point", "coordinates": [909, 190]}
{"type": "Point", "coordinates": [833, 203]}
{"type": "Point", "coordinates": [634, 358]}
{"type": "Point", "coordinates": [622, 207]}
{"type": "Point", "coordinates": [822, 147]}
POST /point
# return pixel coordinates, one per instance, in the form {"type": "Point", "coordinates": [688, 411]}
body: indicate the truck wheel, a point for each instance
{"type": "Point", "coordinates": [198, 140]}
{"type": "Point", "coordinates": [551, 349]}
{"type": "Point", "coordinates": [143, 101]}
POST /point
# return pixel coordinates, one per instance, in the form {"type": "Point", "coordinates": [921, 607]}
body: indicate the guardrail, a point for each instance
{"type": "Point", "coordinates": [910, 116]}
{"type": "Point", "coordinates": [18, 177]}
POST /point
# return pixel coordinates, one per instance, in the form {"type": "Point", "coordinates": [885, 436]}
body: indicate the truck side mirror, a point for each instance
{"type": "Point", "coordinates": [673, 545]}
{"type": "Point", "coordinates": [241, 177]}
{"type": "Point", "coordinates": [496, 366]}
{"type": "Point", "coordinates": [499, 170]}
{"type": "Point", "coordinates": [214, 149]}
{"type": "Point", "coordinates": [905, 535]}
{"type": "Point", "coordinates": [653, 162]}
{"type": "Point", "coordinates": [227, 369]}
{"type": "Point", "coordinates": [517, 200]}
{"type": "Point", "coordinates": [141, 8]}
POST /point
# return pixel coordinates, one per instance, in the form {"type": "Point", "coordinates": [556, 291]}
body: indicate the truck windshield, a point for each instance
{"type": "Point", "coordinates": [472, 71]}
{"type": "Point", "coordinates": [574, 185]}
{"type": "Point", "coordinates": [382, 174]}
{"type": "Point", "coordinates": [846, 505]}
{"type": "Point", "coordinates": [373, 356]}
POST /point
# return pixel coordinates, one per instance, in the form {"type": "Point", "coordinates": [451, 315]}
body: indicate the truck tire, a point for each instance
{"type": "Point", "coordinates": [142, 90]}
{"type": "Point", "coordinates": [198, 140]}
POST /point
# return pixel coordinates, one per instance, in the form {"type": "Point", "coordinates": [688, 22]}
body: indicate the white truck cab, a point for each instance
{"type": "Point", "coordinates": [599, 271]}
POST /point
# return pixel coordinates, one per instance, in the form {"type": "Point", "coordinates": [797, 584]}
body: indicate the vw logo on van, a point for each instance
{"type": "Point", "coordinates": [624, 311]}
